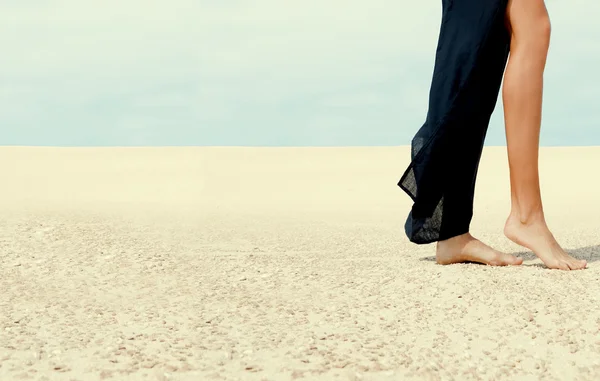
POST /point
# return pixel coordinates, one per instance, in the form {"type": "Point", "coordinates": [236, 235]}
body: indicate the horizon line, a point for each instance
{"type": "Point", "coordinates": [260, 146]}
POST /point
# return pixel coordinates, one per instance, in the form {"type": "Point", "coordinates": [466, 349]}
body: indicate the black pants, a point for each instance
{"type": "Point", "coordinates": [470, 60]}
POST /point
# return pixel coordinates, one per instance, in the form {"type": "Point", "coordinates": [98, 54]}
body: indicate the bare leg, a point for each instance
{"type": "Point", "coordinates": [522, 96]}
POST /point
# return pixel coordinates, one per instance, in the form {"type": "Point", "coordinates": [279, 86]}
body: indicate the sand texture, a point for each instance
{"type": "Point", "coordinates": [280, 264]}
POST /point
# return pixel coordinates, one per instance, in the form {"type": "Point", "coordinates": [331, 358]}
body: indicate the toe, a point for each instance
{"type": "Point", "coordinates": [563, 266]}
{"type": "Point", "coordinates": [511, 260]}
{"type": "Point", "coordinates": [501, 259]}
{"type": "Point", "coordinates": [576, 264]}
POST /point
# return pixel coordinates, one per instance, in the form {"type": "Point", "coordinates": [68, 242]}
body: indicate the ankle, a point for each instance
{"type": "Point", "coordinates": [528, 218]}
{"type": "Point", "coordinates": [456, 239]}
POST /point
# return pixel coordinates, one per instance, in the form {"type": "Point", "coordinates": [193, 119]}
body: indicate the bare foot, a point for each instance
{"type": "Point", "coordinates": [466, 248]}
{"type": "Point", "coordinates": [537, 237]}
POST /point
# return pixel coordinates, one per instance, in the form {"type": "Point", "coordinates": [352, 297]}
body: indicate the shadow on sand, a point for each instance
{"type": "Point", "coordinates": [589, 253]}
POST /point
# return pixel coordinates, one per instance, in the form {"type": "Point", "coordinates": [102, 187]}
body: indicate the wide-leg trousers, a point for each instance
{"type": "Point", "coordinates": [471, 57]}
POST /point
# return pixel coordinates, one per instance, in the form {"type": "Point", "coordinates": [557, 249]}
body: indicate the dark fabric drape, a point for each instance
{"type": "Point", "coordinates": [471, 56]}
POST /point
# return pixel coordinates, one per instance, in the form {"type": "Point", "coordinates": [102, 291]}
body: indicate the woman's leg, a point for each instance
{"type": "Point", "coordinates": [522, 95]}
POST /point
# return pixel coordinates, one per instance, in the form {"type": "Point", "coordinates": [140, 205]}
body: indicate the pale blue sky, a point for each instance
{"type": "Point", "coordinates": [255, 72]}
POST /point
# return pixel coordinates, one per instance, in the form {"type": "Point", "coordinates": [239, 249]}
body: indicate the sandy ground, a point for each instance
{"type": "Point", "coordinates": [279, 264]}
